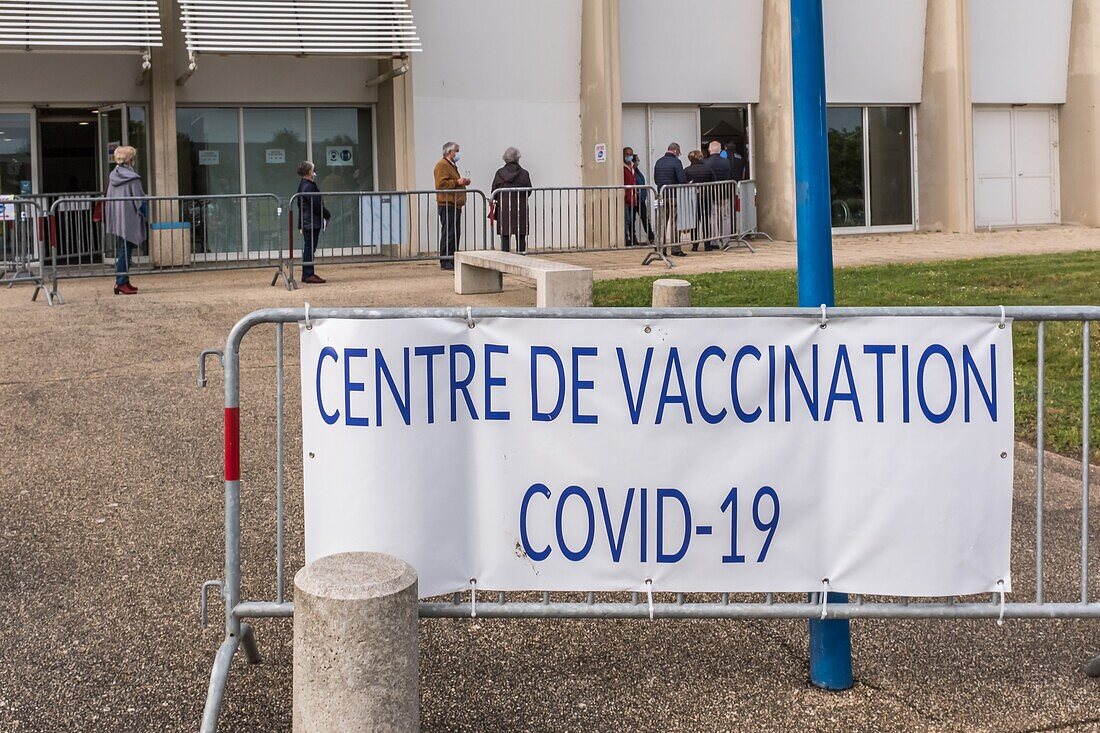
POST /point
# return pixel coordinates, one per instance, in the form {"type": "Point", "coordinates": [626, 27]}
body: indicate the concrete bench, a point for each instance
{"type": "Point", "coordinates": [559, 285]}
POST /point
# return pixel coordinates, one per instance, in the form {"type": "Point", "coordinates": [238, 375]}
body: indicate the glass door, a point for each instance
{"type": "Point", "coordinates": [122, 124]}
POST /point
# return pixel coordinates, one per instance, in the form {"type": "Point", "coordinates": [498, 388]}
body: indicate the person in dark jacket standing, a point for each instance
{"type": "Point", "coordinates": [125, 220]}
{"type": "Point", "coordinates": [312, 219]}
{"type": "Point", "coordinates": [700, 172]}
{"type": "Point", "coordinates": [724, 196]}
{"type": "Point", "coordinates": [512, 208]}
{"type": "Point", "coordinates": [669, 171]}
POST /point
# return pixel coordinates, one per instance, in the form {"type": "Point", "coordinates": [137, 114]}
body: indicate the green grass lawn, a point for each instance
{"type": "Point", "coordinates": [1064, 279]}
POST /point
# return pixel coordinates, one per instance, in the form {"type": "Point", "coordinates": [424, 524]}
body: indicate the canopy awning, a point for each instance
{"type": "Point", "coordinates": [94, 24]}
{"type": "Point", "coordinates": [339, 27]}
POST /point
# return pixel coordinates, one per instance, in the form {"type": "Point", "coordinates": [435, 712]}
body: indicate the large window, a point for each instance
{"type": "Point", "coordinates": [871, 167]}
{"type": "Point", "coordinates": [215, 159]}
{"type": "Point", "coordinates": [15, 154]}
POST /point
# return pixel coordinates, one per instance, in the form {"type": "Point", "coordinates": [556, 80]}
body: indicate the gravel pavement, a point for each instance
{"type": "Point", "coordinates": [110, 483]}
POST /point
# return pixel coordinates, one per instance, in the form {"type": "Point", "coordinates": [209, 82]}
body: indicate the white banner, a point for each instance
{"type": "Point", "coordinates": [706, 455]}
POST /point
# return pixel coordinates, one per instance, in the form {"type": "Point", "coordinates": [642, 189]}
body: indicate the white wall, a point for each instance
{"type": "Point", "coordinates": [1019, 51]}
{"type": "Point", "coordinates": [241, 79]}
{"type": "Point", "coordinates": [874, 51]}
{"type": "Point", "coordinates": [498, 73]}
{"type": "Point", "coordinates": [691, 51]}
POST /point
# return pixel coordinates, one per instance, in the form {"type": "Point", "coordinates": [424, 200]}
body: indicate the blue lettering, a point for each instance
{"type": "Point", "coordinates": [381, 369]}
{"type": "Point", "coordinates": [990, 396]}
{"type": "Point", "coordinates": [708, 352]}
{"type": "Point", "coordinates": [673, 364]}
{"type": "Point", "coordinates": [350, 386]}
{"type": "Point", "coordinates": [536, 414]}
{"type": "Point", "coordinates": [583, 552]}
{"type": "Point", "coordinates": [329, 352]}
{"type": "Point", "coordinates": [936, 417]}
{"type": "Point", "coordinates": [662, 556]}
{"type": "Point", "coordinates": [581, 384]}
{"type": "Point", "coordinates": [491, 381]}
{"type": "Point", "coordinates": [879, 352]}
{"type": "Point", "coordinates": [635, 407]}
{"type": "Point", "coordinates": [616, 543]}
{"type": "Point", "coordinates": [842, 362]}
{"type": "Point", "coordinates": [743, 416]}
{"type": "Point", "coordinates": [792, 367]}
{"type": "Point", "coordinates": [430, 352]}
{"type": "Point", "coordinates": [462, 385]}
{"type": "Point", "coordinates": [536, 555]}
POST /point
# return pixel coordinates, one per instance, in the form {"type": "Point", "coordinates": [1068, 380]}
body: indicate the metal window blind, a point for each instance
{"type": "Point", "coordinates": [349, 27]}
{"type": "Point", "coordinates": [80, 23]}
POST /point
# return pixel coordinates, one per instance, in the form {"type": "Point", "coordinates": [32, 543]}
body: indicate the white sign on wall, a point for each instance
{"type": "Point", "coordinates": [209, 157]}
{"type": "Point", "coordinates": [704, 455]}
{"type": "Point", "coordinates": [601, 152]}
{"type": "Point", "coordinates": [275, 156]}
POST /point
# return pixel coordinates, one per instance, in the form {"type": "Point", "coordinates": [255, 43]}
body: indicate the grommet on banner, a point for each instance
{"type": "Point", "coordinates": [649, 596]}
{"type": "Point", "coordinates": [470, 317]}
{"type": "Point", "coordinates": [824, 595]}
{"type": "Point", "coordinates": [824, 318]}
{"type": "Point", "coordinates": [473, 597]}
{"type": "Point", "coordinates": [1001, 616]}
{"type": "Point", "coordinates": [1002, 317]}
{"type": "Point", "coordinates": [309, 326]}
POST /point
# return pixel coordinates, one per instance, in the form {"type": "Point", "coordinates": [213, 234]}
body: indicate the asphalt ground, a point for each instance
{"type": "Point", "coordinates": [110, 484]}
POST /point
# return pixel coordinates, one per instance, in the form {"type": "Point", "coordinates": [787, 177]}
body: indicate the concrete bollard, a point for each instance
{"type": "Point", "coordinates": [356, 664]}
{"type": "Point", "coordinates": [671, 294]}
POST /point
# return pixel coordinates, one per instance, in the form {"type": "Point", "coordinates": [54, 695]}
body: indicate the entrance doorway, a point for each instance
{"type": "Point", "coordinates": [67, 140]}
{"type": "Point", "coordinates": [1016, 166]}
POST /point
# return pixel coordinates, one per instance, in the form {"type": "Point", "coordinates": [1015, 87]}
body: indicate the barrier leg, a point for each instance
{"type": "Point", "coordinates": [831, 650]}
{"type": "Point", "coordinates": [658, 253]}
{"type": "Point", "coordinates": [219, 676]}
{"type": "Point", "coordinates": [248, 644]}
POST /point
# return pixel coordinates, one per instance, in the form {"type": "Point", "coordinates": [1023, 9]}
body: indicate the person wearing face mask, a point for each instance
{"type": "Point", "coordinates": [313, 217]}
{"type": "Point", "coordinates": [451, 197]}
{"type": "Point", "coordinates": [630, 196]}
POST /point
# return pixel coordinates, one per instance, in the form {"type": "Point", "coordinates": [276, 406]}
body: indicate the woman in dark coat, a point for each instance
{"type": "Point", "coordinates": [512, 208]}
{"type": "Point", "coordinates": [698, 172]}
{"type": "Point", "coordinates": [312, 219]}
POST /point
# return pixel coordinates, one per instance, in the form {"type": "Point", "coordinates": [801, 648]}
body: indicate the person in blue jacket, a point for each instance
{"type": "Point", "coordinates": [669, 171]}
{"type": "Point", "coordinates": [312, 219]}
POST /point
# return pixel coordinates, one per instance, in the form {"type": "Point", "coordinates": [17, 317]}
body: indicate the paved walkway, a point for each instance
{"type": "Point", "coordinates": [110, 465]}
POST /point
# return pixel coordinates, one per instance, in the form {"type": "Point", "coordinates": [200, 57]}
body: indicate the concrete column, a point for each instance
{"type": "Point", "coordinates": [945, 122]}
{"type": "Point", "coordinates": [601, 92]}
{"type": "Point", "coordinates": [669, 293]}
{"type": "Point", "coordinates": [1079, 134]}
{"type": "Point", "coordinates": [169, 247]}
{"type": "Point", "coordinates": [396, 154]}
{"type": "Point", "coordinates": [356, 665]}
{"type": "Point", "coordinates": [774, 123]}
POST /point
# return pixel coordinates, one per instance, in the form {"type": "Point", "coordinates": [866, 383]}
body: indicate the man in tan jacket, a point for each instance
{"type": "Point", "coordinates": [451, 197]}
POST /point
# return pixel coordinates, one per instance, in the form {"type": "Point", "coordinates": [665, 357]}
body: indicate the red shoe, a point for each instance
{"type": "Point", "coordinates": [314, 280]}
{"type": "Point", "coordinates": [125, 289]}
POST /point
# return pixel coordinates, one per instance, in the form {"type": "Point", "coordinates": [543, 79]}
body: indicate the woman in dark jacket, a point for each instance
{"type": "Point", "coordinates": [512, 209]}
{"type": "Point", "coordinates": [698, 172]}
{"type": "Point", "coordinates": [312, 219]}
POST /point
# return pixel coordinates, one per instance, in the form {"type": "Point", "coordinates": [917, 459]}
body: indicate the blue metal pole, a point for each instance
{"type": "Point", "coordinates": [830, 641]}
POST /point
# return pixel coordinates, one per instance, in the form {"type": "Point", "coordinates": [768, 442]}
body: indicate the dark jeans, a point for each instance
{"type": "Point", "coordinates": [642, 212]}
{"type": "Point", "coordinates": [124, 253]}
{"type": "Point", "coordinates": [506, 243]}
{"type": "Point", "coordinates": [450, 231]}
{"type": "Point", "coordinates": [309, 249]}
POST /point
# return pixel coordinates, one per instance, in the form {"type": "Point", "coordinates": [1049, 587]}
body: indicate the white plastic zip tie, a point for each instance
{"type": "Point", "coordinates": [1002, 317]}
{"type": "Point", "coordinates": [1001, 616]}
{"type": "Point", "coordinates": [824, 318]}
{"type": "Point", "coordinates": [649, 596]}
{"type": "Point", "coordinates": [309, 326]}
{"type": "Point", "coordinates": [473, 597]}
{"type": "Point", "coordinates": [824, 593]}
{"type": "Point", "coordinates": [470, 317]}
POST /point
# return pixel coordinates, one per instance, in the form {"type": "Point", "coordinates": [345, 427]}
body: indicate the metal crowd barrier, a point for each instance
{"type": "Point", "coordinates": [697, 215]}
{"type": "Point", "coordinates": [574, 218]}
{"type": "Point", "coordinates": [238, 609]}
{"type": "Point", "coordinates": [746, 220]}
{"type": "Point", "coordinates": [24, 253]}
{"type": "Point", "coordinates": [177, 233]}
{"type": "Point", "coordinates": [386, 226]}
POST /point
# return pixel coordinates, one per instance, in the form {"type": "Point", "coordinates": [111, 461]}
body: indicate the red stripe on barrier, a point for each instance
{"type": "Point", "coordinates": [232, 444]}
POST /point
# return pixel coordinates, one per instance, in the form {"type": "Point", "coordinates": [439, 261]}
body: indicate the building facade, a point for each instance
{"type": "Point", "coordinates": [944, 115]}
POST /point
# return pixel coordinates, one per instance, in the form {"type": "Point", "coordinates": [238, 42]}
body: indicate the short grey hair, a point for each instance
{"type": "Point", "coordinates": [674, 147]}
{"type": "Point", "coordinates": [449, 148]}
{"type": "Point", "coordinates": [511, 155]}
